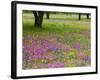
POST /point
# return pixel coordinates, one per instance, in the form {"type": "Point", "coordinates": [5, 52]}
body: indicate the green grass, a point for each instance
{"type": "Point", "coordinates": [69, 31]}
{"type": "Point", "coordinates": [48, 26]}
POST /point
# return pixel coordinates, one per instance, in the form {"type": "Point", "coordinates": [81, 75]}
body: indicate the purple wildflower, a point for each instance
{"type": "Point", "coordinates": [56, 49]}
{"type": "Point", "coordinates": [49, 57]}
{"type": "Point", "coordinates": [87, 58]}
{"type": "Point", "coordinates": [55, 65]}
{"type": "Point", "coordinates": [80, 55]}
{"type": "Point", "coordinates": [39, 51]}
{"type": "Point", "coordinates": [45, 43]}
{"type": "Point", "coordinates": [37, 57]}
{"type": "Point", "coordinates": [77, 46]}
{"type": "Point", "coordinates": [50, 47]}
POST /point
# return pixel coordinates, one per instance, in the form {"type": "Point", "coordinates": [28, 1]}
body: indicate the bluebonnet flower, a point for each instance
{"type": "Point", "coordinates": [87, 59]}
{"type": "Point", "coordinates": [56, 49]}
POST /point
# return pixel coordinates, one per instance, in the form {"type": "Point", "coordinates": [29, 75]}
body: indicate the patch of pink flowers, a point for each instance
{"type": "Point", "coordinates": [55, 65]}
{"type": "Point", "coordinates": [50, 53]}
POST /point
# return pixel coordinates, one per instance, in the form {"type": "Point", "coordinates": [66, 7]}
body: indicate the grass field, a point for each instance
{"type": "Point", "coordinates": [63, 41]}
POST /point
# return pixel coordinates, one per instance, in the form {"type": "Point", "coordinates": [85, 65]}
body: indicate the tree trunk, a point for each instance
{"type": "Point", "coordinates": [79, 18]}
{"type": "Point", "coordinates": [87, 16]}
{"type": "Point", "coordinates": [38, 18]}
{"type": "Point", "coordinates": [48, 15]}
